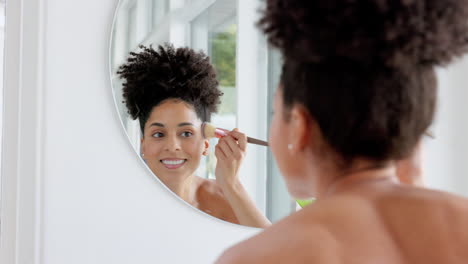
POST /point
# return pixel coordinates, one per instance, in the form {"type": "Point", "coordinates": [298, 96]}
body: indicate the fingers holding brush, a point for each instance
{"type": "Point", "coordinates": [230, 152]}
{"type": "Point", "coordinates": [240, 137]}
{"type": "Point", "coordinates": [232, 147]}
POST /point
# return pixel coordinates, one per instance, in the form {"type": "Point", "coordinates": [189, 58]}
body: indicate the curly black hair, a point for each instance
{"type": "Point", "coordinates": [393, 32]}
{"type": "Point", "coordinates": [152, 77]}
{"type": "Point", "coordinates": [364, 69]}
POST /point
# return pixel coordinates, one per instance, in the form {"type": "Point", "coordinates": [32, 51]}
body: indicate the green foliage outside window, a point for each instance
{"type": "Point", "coordinates": [223, 54]}
{"type": "Point", "coordinates": [223, 58]}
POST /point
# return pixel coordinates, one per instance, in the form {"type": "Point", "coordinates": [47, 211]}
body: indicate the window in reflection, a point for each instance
{"type": "Point", "coordinates": [159, 9]}
{"type": "Point", "coordinates": [215, 32]}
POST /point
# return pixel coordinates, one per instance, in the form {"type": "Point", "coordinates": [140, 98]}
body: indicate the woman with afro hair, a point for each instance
{"type": "Point", "coordinates": [357, 92]}
{"type": "Point", "coordinates": [171, 92]}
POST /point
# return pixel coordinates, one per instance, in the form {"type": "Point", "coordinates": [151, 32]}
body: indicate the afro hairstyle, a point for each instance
{"type": "Point", "coordinates": [393, 32]}
{"type": "Point", "coordinates": [364, 69]}
{"type": "Point", "coordinates": [153, 76]}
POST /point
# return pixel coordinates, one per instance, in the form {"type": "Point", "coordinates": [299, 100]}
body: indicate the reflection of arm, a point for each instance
{"type": "Point", "coordinates": [244, 208]}
{"type": "Point", "coordinates": [230, 152]}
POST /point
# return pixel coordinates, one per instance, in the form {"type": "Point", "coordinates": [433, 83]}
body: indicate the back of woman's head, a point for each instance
{"type": "Point", "coordinates": [364, 69]}
{"type": "Point", "coordinates": [153, 76]}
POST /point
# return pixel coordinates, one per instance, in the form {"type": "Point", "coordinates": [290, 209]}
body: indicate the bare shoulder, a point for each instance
{"type": "Point", "coordinates": [208, 187]}
{"type": "Point", "coordinates": [344, 227]}
{"type": "Point", "coordinates": [212, 201]}
{"type": "Point", "coordinates": [437, 210]}
{"type": "Point", "coordinates": [424, 202]}
{"type": "Point", "coordinates": [295, 239]}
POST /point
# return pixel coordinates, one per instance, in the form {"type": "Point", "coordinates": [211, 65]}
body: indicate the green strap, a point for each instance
{"type": "Point", "coordinates": [304, 203]}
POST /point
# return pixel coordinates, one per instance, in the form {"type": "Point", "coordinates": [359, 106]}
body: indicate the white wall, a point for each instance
{"type": "Point", "coordinates": [93, 201]}
{"type": "Point", "coordinates": [446, 156]}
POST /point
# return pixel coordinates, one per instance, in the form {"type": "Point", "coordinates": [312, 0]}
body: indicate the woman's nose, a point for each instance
{"type": "Point", "coordinates": [172, 144]}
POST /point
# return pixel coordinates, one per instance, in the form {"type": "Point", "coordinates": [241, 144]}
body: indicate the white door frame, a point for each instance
{"type": "Point", "coordinates": [20, 214]}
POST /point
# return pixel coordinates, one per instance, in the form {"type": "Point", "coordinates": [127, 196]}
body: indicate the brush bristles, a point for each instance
{"type": "Point", "coordinates": [208, 130]}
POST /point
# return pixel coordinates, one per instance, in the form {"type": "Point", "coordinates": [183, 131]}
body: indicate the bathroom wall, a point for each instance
{"type": "Point", "coordinates": [446, 156]}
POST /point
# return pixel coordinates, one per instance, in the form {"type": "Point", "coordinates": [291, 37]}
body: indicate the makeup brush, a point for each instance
{"type": "Point", "coordinates": [210, 131]}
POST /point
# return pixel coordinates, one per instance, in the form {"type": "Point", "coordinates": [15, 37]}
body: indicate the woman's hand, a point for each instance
{"type": "Point", "coordinates": [230, 152]}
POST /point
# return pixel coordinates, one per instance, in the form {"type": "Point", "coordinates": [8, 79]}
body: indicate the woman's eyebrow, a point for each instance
{"type": "Point", "coordinates": [185, 124]}
{"type": "Point", "coordinates": [157, 124]}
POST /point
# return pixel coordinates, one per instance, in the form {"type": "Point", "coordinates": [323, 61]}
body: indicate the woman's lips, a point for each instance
{"type": "Point", "coordinates": [173, 163]}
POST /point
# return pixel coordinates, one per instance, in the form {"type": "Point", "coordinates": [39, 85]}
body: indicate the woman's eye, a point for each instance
{"type": "Point", "coordinates": [187, 134]}
{"type": "Point", "coordinates": [158, 135]}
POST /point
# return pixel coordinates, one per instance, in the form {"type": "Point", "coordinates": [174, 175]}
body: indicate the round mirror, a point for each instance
{"type": "Point", "coordinates": [222, 35]}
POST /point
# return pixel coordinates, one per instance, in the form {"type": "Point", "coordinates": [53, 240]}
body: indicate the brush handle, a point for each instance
{"type": "Point", "coordinates": [221, 132]}
{"type": "Point", "coordinates": [257, 141]}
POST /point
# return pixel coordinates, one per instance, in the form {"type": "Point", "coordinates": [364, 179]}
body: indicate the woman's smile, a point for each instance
{"type": "Point", "coordinates": [173, 163]}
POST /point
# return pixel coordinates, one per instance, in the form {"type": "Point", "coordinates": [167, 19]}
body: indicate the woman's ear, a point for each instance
{"type": "Point", "coordinates": [206, 147]}
{"type": "Point", "coordinates": [301, 128]}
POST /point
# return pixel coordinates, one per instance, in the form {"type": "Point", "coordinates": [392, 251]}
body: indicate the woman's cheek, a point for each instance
{"type": "Point", "coordinates": [193, 145]}
{"type": "Point", "coordinates": [153, 148]}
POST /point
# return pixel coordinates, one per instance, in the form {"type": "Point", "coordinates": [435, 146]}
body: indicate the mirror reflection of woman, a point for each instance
{"type": "Point", "coordinates": [358, 91]}
{"type": "Point", "coordinates": [171, 92]}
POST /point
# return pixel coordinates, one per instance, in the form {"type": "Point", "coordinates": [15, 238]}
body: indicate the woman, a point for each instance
{"type": "Point", "coordinates": [357, 92]}
{"type": "Point", "coordinates": [171, 92]}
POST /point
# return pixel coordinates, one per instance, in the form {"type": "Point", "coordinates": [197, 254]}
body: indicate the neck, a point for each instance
{"type": "Point", "coordinates": [181, 187]}
{"type": "Point", "coordinates": [363, 174]}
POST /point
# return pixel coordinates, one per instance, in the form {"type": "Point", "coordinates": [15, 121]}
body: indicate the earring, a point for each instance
{"type": "Point", "coordinates": [142, 155]}
{"type": "Point", "coordinates": [290, 146]}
